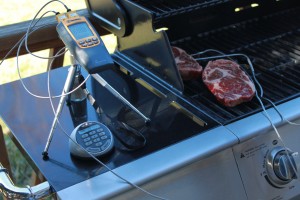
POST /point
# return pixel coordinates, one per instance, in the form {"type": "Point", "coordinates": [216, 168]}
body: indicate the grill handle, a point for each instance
{"type": "Point", "coordinates": [10, 191]}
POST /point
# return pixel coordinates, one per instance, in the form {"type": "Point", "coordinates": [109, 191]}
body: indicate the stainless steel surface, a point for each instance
{"type": "Point", "coordinates": [258, 124]}
{"type": "Point", "coordinates": [258, 139]}
{"type": "Point", "coordinates": [195, 168]}
{"type": "Point", "coordinates": [281, 167]}
{"type": "Point", "coordinates": [10, 191]}
{"type": "Point", "coordinates": [251, 158]}
{"type": "Point", "coordinates": [158, 164]}
{"type": "Point", "coordinates": [244, 159]}
{"type": "Point", "coordinates": [198, 171]}
{"type": "Point", "coordinates": [201, 180]}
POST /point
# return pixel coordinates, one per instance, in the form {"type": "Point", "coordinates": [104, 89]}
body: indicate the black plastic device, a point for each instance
{"type": "Point", "coordinates": [83, 42]}
{"type": "Point", "coordinates": [94, 137]}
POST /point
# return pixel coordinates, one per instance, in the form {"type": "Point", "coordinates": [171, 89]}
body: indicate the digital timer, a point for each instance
{"type": "Point", "coordinates": [94, 137]}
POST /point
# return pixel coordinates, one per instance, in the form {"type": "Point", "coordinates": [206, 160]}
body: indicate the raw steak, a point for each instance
{"type": "Point", "coordinates": [188, 67]}
{"type": "Point", "coordinates": [228, 82]}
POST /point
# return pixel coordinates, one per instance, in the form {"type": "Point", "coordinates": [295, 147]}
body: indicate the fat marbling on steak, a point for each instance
{"type": "Point", "coordinates": [228, 82]}
{"type": "Point", "coordinates": [187, 66]}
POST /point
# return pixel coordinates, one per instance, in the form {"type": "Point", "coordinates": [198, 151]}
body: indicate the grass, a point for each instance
{"type": "Point", "coordinates": [12, 12]}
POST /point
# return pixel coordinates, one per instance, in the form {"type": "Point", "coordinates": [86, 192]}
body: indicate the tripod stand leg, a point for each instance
{"type": "Point", "coordinates": [62, 100]}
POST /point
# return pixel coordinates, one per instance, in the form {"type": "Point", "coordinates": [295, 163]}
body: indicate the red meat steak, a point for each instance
{"type": "Point", "coordinates": [228, 82]}
{"type": "Point", "coordinates": [187, 66]}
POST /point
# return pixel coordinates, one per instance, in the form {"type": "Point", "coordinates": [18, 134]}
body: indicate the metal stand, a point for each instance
{"type": "Point", "coordinates": [66, 89]}
{"type": "Point", "coordinates": [62, 100]}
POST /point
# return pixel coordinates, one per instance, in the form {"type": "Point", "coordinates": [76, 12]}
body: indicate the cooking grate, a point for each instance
{"type": "Point", "coordinates": [164, 8]}
{"type": "Point", "coordinates": [273, 45]}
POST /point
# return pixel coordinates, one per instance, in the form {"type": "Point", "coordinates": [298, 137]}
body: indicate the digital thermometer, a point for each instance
{"type": "Point", "coordinates": [84, 43]}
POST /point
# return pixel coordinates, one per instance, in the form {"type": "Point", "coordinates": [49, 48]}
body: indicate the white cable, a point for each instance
{"type": "Point", "coordinates": [18, 66]}
{"type": "Point", "coordinates": [9, 52]}
{"type": "Point", "coordinates": [231, 55]}
{"type": "Point", "coordinates": [29, 27]}
{"type": "Point", "coordinates": [266, 114]}
{"type": "Point", "coordinates": [96, 159]}
{"type": "Point", "coordinates": [30, 30]}
{"type": "Point", "coordinates": [253, 74]}
{"type": "Point", "coordinates": [279, 113]}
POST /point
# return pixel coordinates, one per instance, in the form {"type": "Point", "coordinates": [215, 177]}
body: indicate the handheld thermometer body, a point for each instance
{"type": "Point", "coordinates": [84, 44]}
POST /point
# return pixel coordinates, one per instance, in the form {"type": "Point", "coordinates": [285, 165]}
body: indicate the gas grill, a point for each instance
{"type": "Point", "coordinates": [196, 147]}
{"type": "Point", "coordinates": [271, 42]}
{"type": "Point", "coordinates": [268, 32]}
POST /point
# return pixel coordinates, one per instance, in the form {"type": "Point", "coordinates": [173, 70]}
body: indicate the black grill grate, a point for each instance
{"type": "Point", "coordinates": [273, 45]}
{"type": "Point", "coordinates": [165, 8]}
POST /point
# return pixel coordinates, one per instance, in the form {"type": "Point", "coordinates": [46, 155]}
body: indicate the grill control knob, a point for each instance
{"type": "Point", "coordinates": [281, 166]}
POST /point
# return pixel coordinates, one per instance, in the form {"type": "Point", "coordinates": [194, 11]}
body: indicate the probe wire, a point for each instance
{"type": "Point", "coordinates": [253, 74]}
{"type": "Point", "coordinates": [29, 27]}
{"type": "Point", "coordinates": [60, 53]}
{"type": "Point", "coordinates": [265, 113]}
{"type": "Point", "coordinates": [18, 66]}
{"type": "Point", "coordinates": [95, 158]}
{"type": "Point", "coordinates": [23, 37]}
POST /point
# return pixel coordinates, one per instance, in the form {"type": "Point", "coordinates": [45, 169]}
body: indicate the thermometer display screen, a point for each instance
{"type": "Point", "coordinates": [80, 30]}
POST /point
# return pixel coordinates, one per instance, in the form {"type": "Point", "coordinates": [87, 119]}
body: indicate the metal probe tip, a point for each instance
{"type": "Point", "coordinates": [147, 122]}
{"type": "Point", "coordinates": [45, 155]}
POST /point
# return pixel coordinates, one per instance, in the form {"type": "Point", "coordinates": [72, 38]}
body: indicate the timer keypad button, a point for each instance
{"type": "Point", "coordinates": [98, 144]}
{"type": "Point", "coordinates": [104, 137]}
{"type": "Point", "coordinates": [101, 134]}
{"type": "Point", "coordinates": [94, 136]}
{"type": "Point", "coordinates": [88, 143]}
{"type": "Point", "coordinates": [96, 140]}
{"type": "Point", "coordinates": [92, 132]}
{"type": "Point", "coordinates": [99, 130]}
